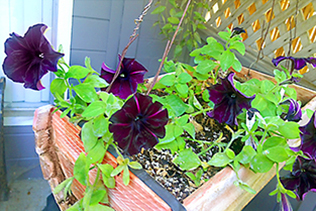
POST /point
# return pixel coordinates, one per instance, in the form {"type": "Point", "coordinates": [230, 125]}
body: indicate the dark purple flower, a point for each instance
{"type": "Point", "coordinates": [131, 74]}
{"type": "Point", "coordinates": [295, 112]}
{"type": "Point", "coordinates": [298, 63]}
{"type": "Point", "coordinates": [228, 101]}
{"type": "Point", "coordinates": [236, 31]}
{"type": "Point", "coordinates": [138, 124]}
{"type": "Point", "coordinates": [285, 205]}
{"type": "Point", "coordinates": [308, 138]}
{"type": "Point", "coordinates": [302, 178]}
{"type": "Point", "coordinates": [30, 57]}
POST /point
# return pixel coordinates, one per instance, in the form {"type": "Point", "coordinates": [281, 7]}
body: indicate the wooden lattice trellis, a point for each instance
{"type": "Point", "coordinates": [270, 26]}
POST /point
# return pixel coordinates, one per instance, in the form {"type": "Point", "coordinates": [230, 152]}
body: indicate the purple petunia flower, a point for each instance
{"type": "Point", "coordinates": [308, 138]}
{"type": "Point", "coordinates": [138, 124]}
{"type": "Point", "coordinates": [295, 112]}
{"type": "Point", "coordinates": [285, 205]}
{"type": "Point", "coordinates": [302, 178]}
{"type": "Point", "coordinates": [299, 63]}
{"type": "Point", "coordinates": [30, 57]}
{"type": "Point", "coordinates": [228, 101]}
{"type": "Point", "coordinates": [236, 31]}
{"type": "Point", "coordinates": [131, 74]}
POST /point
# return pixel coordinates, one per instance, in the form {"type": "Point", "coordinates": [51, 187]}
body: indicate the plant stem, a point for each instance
{"type": "Point", "coordinates": [167, 49]}
{"type": "Point", "coordinates": [201, 111]}
{"type": "Point", "coordinates": [131, 40]}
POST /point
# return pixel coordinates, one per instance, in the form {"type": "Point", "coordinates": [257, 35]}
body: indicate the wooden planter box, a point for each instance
{"type": "Point", "coordinates": [59, 145]}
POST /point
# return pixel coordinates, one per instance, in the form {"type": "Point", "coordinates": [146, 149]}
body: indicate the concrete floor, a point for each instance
{"type": "Point", "coordinates": [27, 195]}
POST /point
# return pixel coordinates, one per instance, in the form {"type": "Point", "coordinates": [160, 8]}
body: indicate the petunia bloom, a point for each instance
{"type": "Point", "coordinates": [138, 124]}
{"type": "Point", "coordinates": [308, 138]}
{"type": "Point", "coordinates": [285, 205]}
{"type": "Point", "coordinates": [299, 63]}
{"type": "Point", "coordinates": [294, 113]}
{"type": "Point", "coordinates": [228, 101]}
{"type": "Point", "coordinates": [30, 57]}
{"type": "Point", "coordinates": [237, 30]}
{"type": "Point", "coordinates": [131, 74]}
{"type": "Point", "coordinates": [302, 178]}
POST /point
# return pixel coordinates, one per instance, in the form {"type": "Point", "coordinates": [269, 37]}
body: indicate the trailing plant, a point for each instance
{"type": "Point", "coordinates": [116, 112]}
{"type": "Point", "coordinates": [169, 13]}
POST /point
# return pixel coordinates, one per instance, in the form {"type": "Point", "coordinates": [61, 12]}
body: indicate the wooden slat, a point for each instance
{"type": "Point", "coordinates": [284, 39]}
{"type": "Point", "coordinates": [277, 21]}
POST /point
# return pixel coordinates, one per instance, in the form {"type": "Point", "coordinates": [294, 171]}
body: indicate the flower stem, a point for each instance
{"type": "Point", "coordinates": [167, 49]}
{"type": "Point", "coordinates": [131, 40]}
{"type": "Point", "coordinates": [201, 111]}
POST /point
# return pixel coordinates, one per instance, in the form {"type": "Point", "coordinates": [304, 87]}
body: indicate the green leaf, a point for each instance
{"type": "Point", "coordinates": [108, 181]}
{"type": "Point", "coordinates": [106, 169]}
{"type": "Point", "coordinates": [237, 65]}
{"type": "Point", "coordinates": [158, 10]}
{"type": "Point", "coordinates": [206, 95]}
{"type": "Point", "coordinates": [189, 127]}
{"type": "Point", "coordinates": [177, 51]}
{"type": "Point", "coordinates": [266, 86]}
{"type": "Point", "coordinates": [230, 153]}
{"type": "Point", "coordinates": [206, 66]}
{"type": "Point", "coordinates": [213, 49]}
{"type": "Point", "coordinates": [239, 46]}
{"type": "Point", "coordinates": [277, 154]}
{"type": "Point", "coordinates": [168, 80]}
{"type": "Point", "coordinates": [100, 125]}
{"type": "Point", "coordinates": [259, 103]}
{"type": "Point", "coordinates": [224, 35]}
{"type": "Point", "coordinates": [261, 164]}
{"type": "Point", "coordinates": [96, 81]}
{"type": "Point", "coordinates": [87, 63]}
{"type": "Point", "coordinates": [197, 37]}
{"type": "Point", "coordinates": [219, 160]}
{"type": "Point", "coordinates": [81, 169]}
{"type": "Point", "coordinates": [169, 137]}
{"type": "Point", "coordinates": [86, 92]}
{"type": "Point", "coordinates": [126, 177]}
{"type": "Point", "coordinates": [309, 113]}
{"type": "Point", "coordinates": [88, 137]}
{"type": "Point", "coordinates": [62, 185]}
{"type": "Point", "coordinates": [117, 170]}
{"type": "Point", "coordinates": [96, 108]}
{"type": "Point", "coordinates": [96, 153]}
{"type": "Point", "coordinates": [246, 155]}
{"type": "Point", "coordinates": [177, 131]}
{"type": "Point", "coordinates": [280, 76]}
{"type": "Point", "coordinates": [290, 130]}
{"type": "Point", "coordinates": [97, 196]}
{"type": "Point", "coordinates": [176, 104]}
{"type": "Point", "coordinates": [291, 92]}
{"type": "Point", "coordinates": [173, 20]}
{"type": "Point", "coordinates": [227, 60]}
{"type": "Point", "coordinates": [274, 141]}
{"type": "Point", "coordinates": [246, 187]}
{"type": "Point", "coordinates": [183, 89]}
{"type": "Point", "coordinates": [59, 86]}
{"type": "Point", "coordinates": [182, 120]}
{"type": "Point", "coordinates": [187, 160]}
{"type": "Point", "coordinates": [135, 165]}
{"type": "Point", "coordinates": [77, 72]}
{"type": "Point", "coordinates": [184, 78]}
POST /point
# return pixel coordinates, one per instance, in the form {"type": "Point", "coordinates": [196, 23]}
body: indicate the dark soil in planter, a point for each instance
{"type": "Point", "coordinates": [159, 165]}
